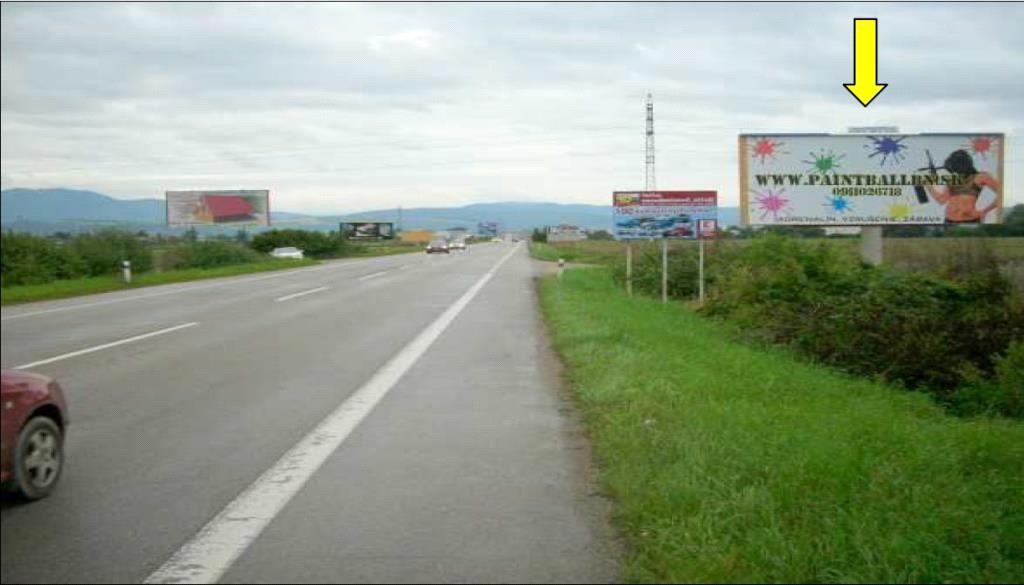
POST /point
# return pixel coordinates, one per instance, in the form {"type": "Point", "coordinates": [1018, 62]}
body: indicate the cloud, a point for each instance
{"type": "Point", "coordinates": [354, 106]}
{"type": "Point", "coordinates": [416, 39]}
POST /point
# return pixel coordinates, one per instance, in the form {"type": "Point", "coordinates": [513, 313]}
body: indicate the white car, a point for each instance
{"type": "Point", "coordinates": [288, 252]}
{"type": "Point", "coordinates": [457, 245]}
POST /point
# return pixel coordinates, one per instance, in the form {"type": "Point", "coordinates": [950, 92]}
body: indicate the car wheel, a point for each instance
{"type": "Point", "coordinates": [38, 458]}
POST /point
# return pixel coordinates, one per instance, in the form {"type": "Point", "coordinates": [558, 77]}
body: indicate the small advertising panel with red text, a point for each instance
{"type": "Point", "coordinates": [644, 215]}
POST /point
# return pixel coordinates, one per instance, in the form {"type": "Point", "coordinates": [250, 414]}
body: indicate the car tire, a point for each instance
{"type": "Point", "coordinates": [38, 458]}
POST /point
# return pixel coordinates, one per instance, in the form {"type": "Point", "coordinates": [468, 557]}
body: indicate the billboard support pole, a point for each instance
{"type": "Point", "coordinates": [664, 270]}
{"type": "Point", "coordinates": [629, 268]}
{"type": "Point", "coordinates": [700, 272]}
{"type": "Point", "coordinates": [871, 244]}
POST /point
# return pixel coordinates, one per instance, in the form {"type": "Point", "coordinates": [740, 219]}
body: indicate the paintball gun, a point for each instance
{"type": "Point", "coordinates": [922, 195]}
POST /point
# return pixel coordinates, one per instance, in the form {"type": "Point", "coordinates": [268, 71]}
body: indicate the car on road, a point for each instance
{"type": "Point", "coordinates": [288, 252]}
{"type": "Point", "coordinates": [438, 247]}
{"type": "Point", "coordinates": [32, 438]}
{"type": "Point", "coordinates": [497, 240]}
{"type": "Point", "coordinates": [457, 245]}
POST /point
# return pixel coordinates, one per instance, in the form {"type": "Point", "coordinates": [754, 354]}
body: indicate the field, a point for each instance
{"type": "Point", "coordinates": [730, 463]}
{"type": "Point", "coordinates": [60, 289]}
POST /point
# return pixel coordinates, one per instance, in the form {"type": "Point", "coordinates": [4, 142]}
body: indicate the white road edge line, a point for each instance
{"type": "Point", "coordinates": [105, 346]}
{"type": "Point", "coordinates": [374, 275]}
{"type": "Point", "coordinates": [215, 548]}
{"type": "Point", "coordinates": [300, 294]}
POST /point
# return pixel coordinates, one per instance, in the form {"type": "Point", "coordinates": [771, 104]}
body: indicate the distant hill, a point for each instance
{"type": "Point", "coordinates": [69, 205]}
{"type": "Point", "coordinates": [50, 210]}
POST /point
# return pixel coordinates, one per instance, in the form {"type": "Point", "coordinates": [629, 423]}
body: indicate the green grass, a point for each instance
{"type": "Point", "coordinates": [372, 250]}
{"type": "Point", "coordinates": [734, 464]}
{"type": "Point", "coordinates": [60, 289]}
{"type": "Point", "coordinates": [594, 252]}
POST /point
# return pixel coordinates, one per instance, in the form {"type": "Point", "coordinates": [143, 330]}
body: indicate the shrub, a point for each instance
{"type": "Point", "coordinates": [208, 254]}
{"type": "Point", "coordinates": [103, 252]}
{"type": "Point", "coordinates": [316, 244]}
{"type": "Point", "coordinates": [1003, 394]}
{"type": "Point", "coordinates": [921, 331]}
{"type": "Point", "coordinates": [28, 259]}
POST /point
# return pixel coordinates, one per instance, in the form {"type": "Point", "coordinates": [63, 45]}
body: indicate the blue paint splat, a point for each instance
{"type": "Point", "coordinates": [890, 147]}
{"type": "Point", "coordinates": [838, 204]}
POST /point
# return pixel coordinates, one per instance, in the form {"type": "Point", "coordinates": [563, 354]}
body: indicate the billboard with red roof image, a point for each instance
{"type": "Point", "coordinates": [188, 208]}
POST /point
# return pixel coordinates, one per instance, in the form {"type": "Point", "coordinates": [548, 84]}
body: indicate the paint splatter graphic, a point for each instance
{"type": "Point", "coordinates": [838, 204]}
{"type": "Point", "coordinates": [824, 162]}
{"type": "Point", "coordinates": [890, 147]}
{"type": "Point", "coordinates": [981, 145]}
{"type": "Point", "coordinates": [900, 211]}
{"type": "Point", "coordinates": [771, 202]}
{"type": "Point", "coordinates": [765, 148]}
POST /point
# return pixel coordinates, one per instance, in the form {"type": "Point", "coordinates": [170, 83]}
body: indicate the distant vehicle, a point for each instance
{"type": "Point", "coordinates": [288, 252]}
{"type": "Point", "coordinates": [458, 245]}
{"type": "Point", "coordinates": [439, 247]}
{"type": "Point", "coordinates": [34, 421]}
{"type": "Point", "coordinates": [497, 240]}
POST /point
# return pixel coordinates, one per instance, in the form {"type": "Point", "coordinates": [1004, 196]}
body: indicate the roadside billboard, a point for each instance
{"type": "Point", "coordinates": [642, 215]}
{"type": "Point", "coordinates": [190, 208]}
{"type": "Point", "coordinates": [566, 233]}
{"type": "Point", "coordinates": [368, 230]}
{"type": "Point", "coordinates": [858, 179]}
{"type": "Point", "coordinates": [487, 229]}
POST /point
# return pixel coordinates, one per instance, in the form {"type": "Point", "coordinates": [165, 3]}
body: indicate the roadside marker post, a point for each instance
{"type": "Point", "coordinates": [561, 266]}
{"type": "Point", "coordinates": [126, 271]}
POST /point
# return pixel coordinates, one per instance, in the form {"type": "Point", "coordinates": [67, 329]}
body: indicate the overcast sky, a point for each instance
{"type": "Point", "coordinates": [346, 107]}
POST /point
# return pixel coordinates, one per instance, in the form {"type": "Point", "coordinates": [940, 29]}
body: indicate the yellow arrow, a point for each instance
{"type": "Point", "coordinates": [865, 86]}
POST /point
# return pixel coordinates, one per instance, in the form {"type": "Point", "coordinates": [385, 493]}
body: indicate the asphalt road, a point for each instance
{"type": "Point", "coordinates": [396, 419]}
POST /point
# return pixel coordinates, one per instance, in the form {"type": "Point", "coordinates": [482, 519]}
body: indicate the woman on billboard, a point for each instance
{"type": "Point", "coordinates": [961, 200]}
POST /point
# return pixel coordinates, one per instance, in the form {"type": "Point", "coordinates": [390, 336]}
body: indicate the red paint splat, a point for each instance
{"type": "Point", "coordinates": [982, 145]}
{"type": "Point", "coordinates": [765, 148]}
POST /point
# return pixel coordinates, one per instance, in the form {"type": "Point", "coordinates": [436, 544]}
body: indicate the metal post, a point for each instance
{"type": "Point", "coordinates": [664, 270]}
{"type": "Point", "coordinates": [700, 272]}
{"type": "Point", "coordinates": [561, 266]}
{"type": "Point", "coordinates": [629, 268]}
{"type": "Point", "coordinates": [871, 244]}
{"type": "Point", "coordinates": [126, 271]}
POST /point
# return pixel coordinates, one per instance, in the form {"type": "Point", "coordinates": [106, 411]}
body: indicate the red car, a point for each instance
{"type": "Point", "coordinates": [34, 421]}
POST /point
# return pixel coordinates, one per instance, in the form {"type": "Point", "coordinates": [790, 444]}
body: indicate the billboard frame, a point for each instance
{"type": "Point", "coordinates": [243, 193]}
{"type": "Point", "coordinates": [744, 174]}
{"type": "Point", "coordinates": [342, 232]}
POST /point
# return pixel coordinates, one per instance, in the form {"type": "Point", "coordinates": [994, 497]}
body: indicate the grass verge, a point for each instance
{"type": "Point", "coordinates": [584, 252]}
{"type": "Point", "coordinates": [60, 289]}
{"type": "Point", "coordinates": [369, 251]}
{"type": "Point", "coordinates": [735, 464]}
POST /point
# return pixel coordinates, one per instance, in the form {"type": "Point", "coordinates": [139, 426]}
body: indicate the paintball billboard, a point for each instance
{"type": "Point", "coordinates": [861, 179]}
{"type": "Point", "coordinates": [367, 230]}
{"type": "Point", "coordinates": [190, 208]}
{"type": "Point", "coordinates": [644, 215]}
